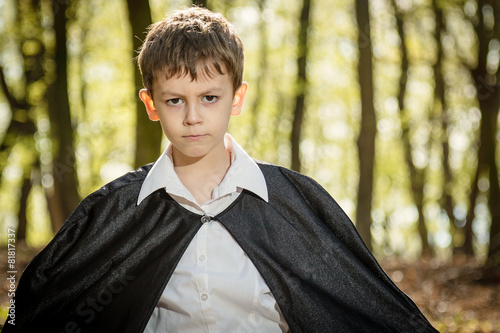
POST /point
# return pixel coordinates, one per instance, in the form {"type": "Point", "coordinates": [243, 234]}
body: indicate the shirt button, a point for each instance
{"type": "Point", "coordinates": [205, 219]}
{"type": "Point", "coordinates": [202, 258]}
{"type": "Point", "coordinates": [204, 297]}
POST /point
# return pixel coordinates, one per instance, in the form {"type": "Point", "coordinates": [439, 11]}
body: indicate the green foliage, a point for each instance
{"type": "Point", "coordinates": [102, 100]}
{"type": "Point", "coordinates": [102, 96]}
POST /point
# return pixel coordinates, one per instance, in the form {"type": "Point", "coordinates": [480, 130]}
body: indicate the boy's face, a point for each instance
{"type": "Point", "coordinates": [194, 114]}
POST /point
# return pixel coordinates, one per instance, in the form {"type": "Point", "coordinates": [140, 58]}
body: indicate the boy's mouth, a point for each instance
{"type": "Point", "coordinates": [195, 137]}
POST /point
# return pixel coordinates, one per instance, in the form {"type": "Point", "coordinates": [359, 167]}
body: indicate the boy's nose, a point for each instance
{"type": "Point", "coordinates": [193, 115]}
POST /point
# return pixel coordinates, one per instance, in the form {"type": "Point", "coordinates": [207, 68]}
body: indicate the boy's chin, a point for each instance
{"type": "Point", "coordinates": [188, 156]}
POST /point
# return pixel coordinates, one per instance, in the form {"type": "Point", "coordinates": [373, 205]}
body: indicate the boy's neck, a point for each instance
{"type": "Point", "coordinates": [202, 174]}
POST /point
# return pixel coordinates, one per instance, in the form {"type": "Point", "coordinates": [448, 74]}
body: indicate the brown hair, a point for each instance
{"type": "Point", "coordinates": [187, 39]}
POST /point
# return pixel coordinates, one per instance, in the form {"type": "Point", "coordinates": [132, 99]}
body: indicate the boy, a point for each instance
{"type": "Point", "coordinates": [206, 239]}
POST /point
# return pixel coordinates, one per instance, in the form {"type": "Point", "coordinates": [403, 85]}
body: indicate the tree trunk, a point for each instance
{"type": "Point", "coordinates": [489, 101]}
{"type": "Point", "coordinates": [64, 161]}
{"type": "Point", "coordinates": [366, 139]}
{"type": "Point", "coordinates": [300, 85]}
{"type": "Point", "coordinates": [22, 129]}
{"type": "Point", "coordinates": [23, 204]}
{"type": "Point", "coordinates": [441, 113]}
{"type": "Point", "coordinates": [493, 258]}
{"type": "Point", "coordinates": [148, 133]}
{"type": "Point", "coordinates": [467, 247]}
{"type": "Point", "coordinates": [417, 176]}
{"type": "Point", "coordinates": [492, 265]}
{"type": "Point", "coordinates": [457, 235]}
{"type": "Point", "coordinates": [16, 128]}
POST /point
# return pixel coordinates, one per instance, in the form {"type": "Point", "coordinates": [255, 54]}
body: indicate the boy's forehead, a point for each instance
{"type": "Point", "coordinates": [205, 70]}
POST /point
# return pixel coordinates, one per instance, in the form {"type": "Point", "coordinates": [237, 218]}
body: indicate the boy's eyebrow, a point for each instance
{"type": "Point", "coordinates": [209, 91]}
{"type": "Point", "coordinates": [168, 93]}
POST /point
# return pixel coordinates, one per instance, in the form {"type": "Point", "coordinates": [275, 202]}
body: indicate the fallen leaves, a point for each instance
{"type": "Point", "coordinates": [451, 293]}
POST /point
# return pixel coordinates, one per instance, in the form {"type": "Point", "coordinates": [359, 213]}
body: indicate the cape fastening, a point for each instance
{"type": "Point", "coordinates": [106, 268]}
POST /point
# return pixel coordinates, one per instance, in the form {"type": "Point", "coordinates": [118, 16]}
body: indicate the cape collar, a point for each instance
{"type": "Point", "coordinates": [243, 173]}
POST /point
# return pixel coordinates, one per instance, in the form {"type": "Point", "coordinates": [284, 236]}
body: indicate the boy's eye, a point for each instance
{"type": "Point", "coordinates": [174, 101]}
{"type": "Point", "coordinates": [210, 99]}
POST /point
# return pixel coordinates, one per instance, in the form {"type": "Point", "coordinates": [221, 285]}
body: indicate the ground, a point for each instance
{"type": "Point", "coordinates": [449, 293]}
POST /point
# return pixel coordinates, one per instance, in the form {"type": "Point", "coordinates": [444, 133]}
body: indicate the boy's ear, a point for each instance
{"type": "Point", "coordinates": [239, 98]}
{"type": "Point", "coordinates": [149, 104]}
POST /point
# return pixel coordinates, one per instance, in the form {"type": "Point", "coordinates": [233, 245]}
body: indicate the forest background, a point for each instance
{"type": "Point", "coordinates": [391, 105]}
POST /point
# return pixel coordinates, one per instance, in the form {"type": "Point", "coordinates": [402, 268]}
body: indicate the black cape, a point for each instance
{"type": "Point", "coordinates": [107, 267]}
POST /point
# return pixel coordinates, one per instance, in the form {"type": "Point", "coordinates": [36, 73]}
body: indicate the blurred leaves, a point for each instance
{"type": "Point", "coordinates": [430, 129]}
{"type": "Point", "coordinates": [102, 101]}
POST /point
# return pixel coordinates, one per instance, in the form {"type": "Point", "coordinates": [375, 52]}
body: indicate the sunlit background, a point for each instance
{"type": "Point", "coordinates": [442, 137]}
{"type": "Point", "coordinates": [102, 97]}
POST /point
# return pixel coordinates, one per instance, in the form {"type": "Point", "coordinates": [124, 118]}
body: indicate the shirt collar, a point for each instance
{"type": "Point", "coordinates": [243, 173]}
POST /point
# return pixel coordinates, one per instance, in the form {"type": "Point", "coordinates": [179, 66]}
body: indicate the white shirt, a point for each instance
{"type": "Point", "coordinates": [215, 287]}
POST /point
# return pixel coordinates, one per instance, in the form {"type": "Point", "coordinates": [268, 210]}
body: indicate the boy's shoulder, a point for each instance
{"type": "Point", "coordinates": [125, 186]}
{"type": "Point", "coordinates": [276, 176]}
{"type": "Point", "coordinates": [130, 179]}
{"type": "Point", "coordinates": [286, 186]}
